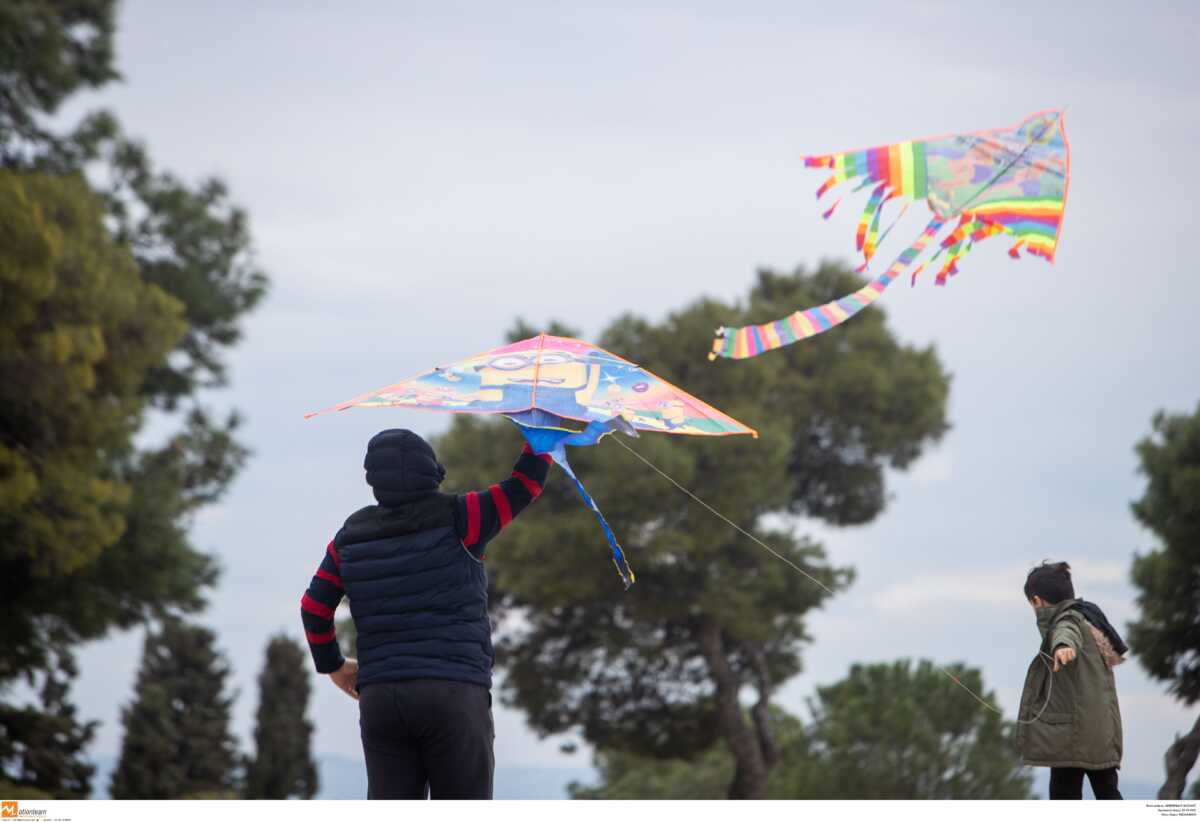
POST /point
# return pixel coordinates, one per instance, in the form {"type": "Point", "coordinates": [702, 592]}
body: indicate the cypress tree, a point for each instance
{"type": "Point", "coordinates": [283, 766]}
{"type": "Point", "coordinates": [177, 742]}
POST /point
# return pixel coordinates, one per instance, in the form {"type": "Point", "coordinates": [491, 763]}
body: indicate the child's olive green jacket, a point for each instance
{"type": "Point", "coordinates": [1081, 725]}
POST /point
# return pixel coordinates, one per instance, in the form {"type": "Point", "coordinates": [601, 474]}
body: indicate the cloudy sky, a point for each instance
{"type": "Point", "coordinates": [419, 174]}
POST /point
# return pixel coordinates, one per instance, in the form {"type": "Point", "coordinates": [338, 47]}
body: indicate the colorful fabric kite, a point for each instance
{"type": "Point", "coordinates": [1009, 181]}
{"type": "Point", "coordinates": [545, 383]}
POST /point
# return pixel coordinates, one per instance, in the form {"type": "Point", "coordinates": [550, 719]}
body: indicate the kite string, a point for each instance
{"type": "Point", "coordinates": [724, 518]}
{"type": "Point", "coordinates": [813, 579]}
{"type": "Point", "coordinates": [993, 708]}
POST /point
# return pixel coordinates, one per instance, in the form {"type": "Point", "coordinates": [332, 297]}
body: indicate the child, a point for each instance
{"type": "Point", "coordinates": [1069, 719]}
{"type": "Point", "coordinates": [412, 567]}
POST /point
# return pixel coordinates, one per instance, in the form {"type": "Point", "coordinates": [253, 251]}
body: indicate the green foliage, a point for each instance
{"type": "Point", "coordinates": [630, 670]}
{"type": "Point", "coordinates": [884, 732]}
{"type": "Point", "coordinates": [80, 331]}
{"type": "Point", "coordinates": [13, 790]}
{"type": "Point", "coordinates": [48, 50]}
{"type": "Point", "coordinates": [283, 766]}
{"type": "Point", "coordinates": [177, 741]}
{"type": "Point", "coordinates": [625, 775]}
{"type": "Point", "coordinates": [1167, 634]}
{"type": "Point", "coordinates": [42, 748]}
{"type": "Point", "coordinates": [190, 241]}
{"type": "Point", "coordinates": [112, 301]}
{"type": "Point", "coordinates": [79, 334]}
{"type": "Point", "coordinates": [889, 731]}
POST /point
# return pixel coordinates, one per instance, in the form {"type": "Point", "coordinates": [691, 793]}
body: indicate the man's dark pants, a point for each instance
{"type": "Point", "coordinates": [427, 737]}
{"type": "Point", "coordinates": [1067, 783]}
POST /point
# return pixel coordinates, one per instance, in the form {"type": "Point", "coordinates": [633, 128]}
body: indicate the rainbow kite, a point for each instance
{"type": "Point", "coordinates": [1007, 181]}
{"type": "Point", "coordinates": [559, 391]}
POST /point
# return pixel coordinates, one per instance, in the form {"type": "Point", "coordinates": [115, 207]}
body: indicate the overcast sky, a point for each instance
{"type": "Point", "coordinates": [418, 175]}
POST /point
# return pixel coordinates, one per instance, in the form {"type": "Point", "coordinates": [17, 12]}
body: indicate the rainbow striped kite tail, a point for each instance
{"type": "Point", "coordinates": [724, 339]}
{"type": "Point", "coordinates": [916, 273]}
{"type": "Point", "coordinates": [840, 174]}
{"type": "Point", "coordinates": [970, 230]}
{"type": "Point", "coordinates": [752, 340]}
{"type": "Point", "coordinates": [718, 345]}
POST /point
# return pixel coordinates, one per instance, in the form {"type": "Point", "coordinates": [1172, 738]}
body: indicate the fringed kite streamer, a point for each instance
{"type": "Point", "coordinates": [1005, 181]}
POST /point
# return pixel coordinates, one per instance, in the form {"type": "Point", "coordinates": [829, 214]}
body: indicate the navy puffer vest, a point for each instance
{"type": "Point", "coordinates": [417, 596]}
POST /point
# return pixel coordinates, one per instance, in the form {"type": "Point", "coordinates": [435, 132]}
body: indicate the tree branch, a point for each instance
{"type": "Point", "coordinates": [750, 774]}
{"type": "Point", "coordinates": [761, 712]}
{"type": "Point", "coordinates": [1179, 759]}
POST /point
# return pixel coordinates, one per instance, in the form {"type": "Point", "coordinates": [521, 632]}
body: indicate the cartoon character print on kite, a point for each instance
{"type": "Point", "coordinates": [562, 379]}
{"type": "Point", "coordinates": [549, 386]}
{"type": "Point", "coordinates": [1009, 181]}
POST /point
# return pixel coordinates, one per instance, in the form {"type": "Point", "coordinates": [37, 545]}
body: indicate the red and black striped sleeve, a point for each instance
{"type": "Point", "coordinates": [481, 515]}
{"type": "Point", "coordinates": [317, 606]}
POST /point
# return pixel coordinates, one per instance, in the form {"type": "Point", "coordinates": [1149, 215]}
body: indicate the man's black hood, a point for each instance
{"type": "Point", "coordinates": [401, 467]}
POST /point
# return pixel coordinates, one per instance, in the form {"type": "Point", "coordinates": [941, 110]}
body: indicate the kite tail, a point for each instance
{"type": "Point", "coordinates": [867, 237]}
{"type": "Point", "coordinates": [553, 441]}
{"type": "Point", "coordinates": [739, 343]}
{"type": "Point", "coordinates": [618, 556]}
{"type": "Point", "coordinates": [958, 243]}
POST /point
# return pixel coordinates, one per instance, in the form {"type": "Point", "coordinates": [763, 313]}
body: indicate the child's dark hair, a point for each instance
{"type": "Point", "coordinates": [1051, 581]}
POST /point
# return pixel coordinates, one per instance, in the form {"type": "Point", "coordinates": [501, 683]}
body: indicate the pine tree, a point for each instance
{"type": "Point", "coordinates": [885, 731]}
{"type": "Point", "coordinates": [283, 766]}
{"type": "Point", "coordinates": [715, 617]}
{"type": "Point", "coordinates": [41, 748]}
{"type": "Point", "coordinates": [177, 742]}
{"type": "Point", "coordinates": [1166, 635]}
{"type": "Point", "coordinates": [49, 51]}
{"type": "Point", "coordinates": [118, 294]}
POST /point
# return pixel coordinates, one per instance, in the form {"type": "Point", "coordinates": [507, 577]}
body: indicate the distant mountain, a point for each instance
{"type": "Point", "coordinates": [1130, 788]}
{"type": "Point", "coordinates": [345, 777]}
{"type": "Point", "coordinates": [341, 777]}
{"type": "Point", "coordinates": [105, 765]}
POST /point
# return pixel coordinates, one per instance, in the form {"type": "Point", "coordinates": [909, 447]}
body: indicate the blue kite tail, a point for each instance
{"type": "Point", "coordinates": [627, 576]}
{"type": "Point", "coordinates": [553, 441]}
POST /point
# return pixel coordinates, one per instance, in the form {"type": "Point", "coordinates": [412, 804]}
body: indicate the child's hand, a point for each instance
{"type": "Point", "coordinates": [346, 677]}
{"type": "Point", "coordinates": [1064, 655]}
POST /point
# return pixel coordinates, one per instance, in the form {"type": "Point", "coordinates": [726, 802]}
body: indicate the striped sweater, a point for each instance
{"type": "Point", "coordinates": [478, 517]}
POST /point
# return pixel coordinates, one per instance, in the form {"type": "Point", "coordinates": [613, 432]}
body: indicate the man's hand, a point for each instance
{"type": "Point", "coordinates": [346, 677]}
{"type": "Point", "coordinates": [1062, 654]}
